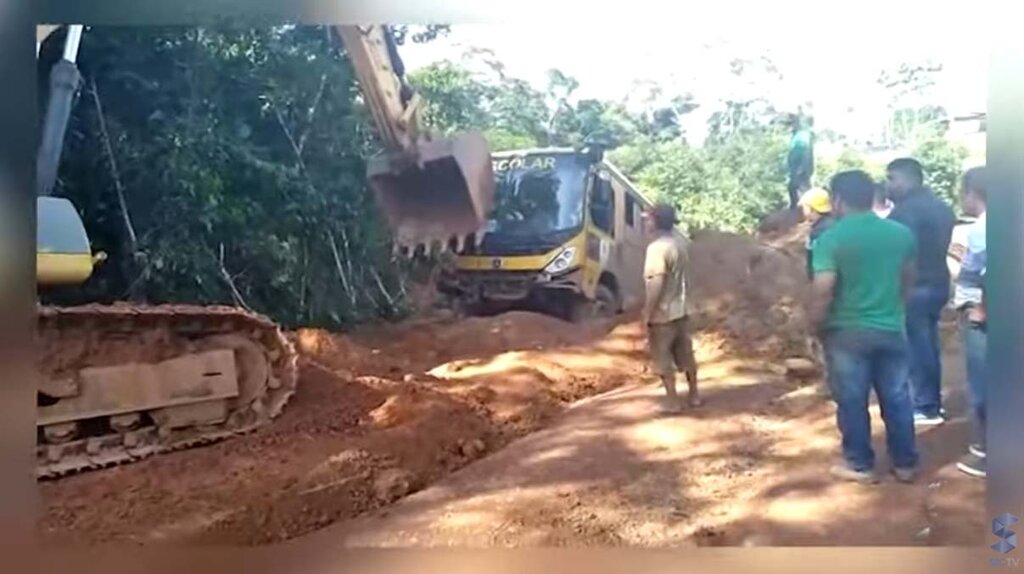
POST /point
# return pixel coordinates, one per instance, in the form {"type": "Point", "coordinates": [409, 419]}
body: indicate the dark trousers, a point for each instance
{"type": "Point", "coordinates": [924, 309]}
{"type": "Point", "coordinates": [797, 185]}
{"type": "Point", "coordinates": [857, 361]}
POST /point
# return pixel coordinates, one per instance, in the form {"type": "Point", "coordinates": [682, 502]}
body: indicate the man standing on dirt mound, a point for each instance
{"type": "Point", "coordinates": [665, 314]}
{"type": "Point", "coordinates": [863, 268]}
{"type": "Point", "coordinates": [800, 160]}
{"type": "Point", "coordinates": [931, 220]}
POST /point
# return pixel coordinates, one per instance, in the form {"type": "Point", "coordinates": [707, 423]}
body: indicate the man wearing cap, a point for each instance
{"type": "Point", "coordinates": [818, 210]}
{"type": "Point", "coordinates": [665, 314]}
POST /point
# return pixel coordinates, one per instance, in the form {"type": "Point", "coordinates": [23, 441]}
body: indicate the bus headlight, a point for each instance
{"type": "Point", "coordinates": [564, 260]}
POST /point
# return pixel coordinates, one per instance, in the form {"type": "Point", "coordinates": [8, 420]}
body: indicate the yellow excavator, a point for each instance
{"type": "Point", "coordinates": [121, 382]}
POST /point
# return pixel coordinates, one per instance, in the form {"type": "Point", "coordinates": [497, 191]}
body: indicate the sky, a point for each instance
{"type": "Point", "coordinates": [829, 53]}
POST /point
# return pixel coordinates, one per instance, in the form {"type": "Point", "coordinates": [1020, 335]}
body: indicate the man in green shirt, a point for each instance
{"type": "Point", "coordinates": [800, 160]}
{"type": "Point", "coordinates": [863, 269]}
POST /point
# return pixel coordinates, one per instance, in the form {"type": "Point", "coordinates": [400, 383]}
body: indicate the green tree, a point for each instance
{"type": "Point", "coordinates": [943, 162]}
{"type": "Point", "coordinates": [849, 159]}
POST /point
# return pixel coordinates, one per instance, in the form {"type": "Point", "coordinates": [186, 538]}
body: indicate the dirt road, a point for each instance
{"type": "Point", "coordinates": [750, 468]}
{"type": "Point", "coordinates": [472, 433]}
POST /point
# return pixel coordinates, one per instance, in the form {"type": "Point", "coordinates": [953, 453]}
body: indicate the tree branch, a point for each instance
{"type": "Point", "coordinates": [291, 140]}
{"type": "Point", "coordinates": [340, 268]}
{"type": "Point", "coordinates": [239, 300]}
{"type": "Point", "coordinates": [112, 163]}
{"type": "Point", "coordinates": [380, 285]}
{"type": "Point", "coordinates": [312, 114]}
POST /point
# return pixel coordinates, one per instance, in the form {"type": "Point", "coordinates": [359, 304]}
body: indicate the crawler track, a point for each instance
{"type": "Point", "coordinates": [72, 338]}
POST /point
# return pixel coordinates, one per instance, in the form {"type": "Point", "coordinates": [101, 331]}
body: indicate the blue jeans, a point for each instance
{"type": "Point", "coordinates": [924, 309]}
{"type": "Point", "coordinates": [975, 341]}
{"type": "Point", "coordinates": [859, 360]}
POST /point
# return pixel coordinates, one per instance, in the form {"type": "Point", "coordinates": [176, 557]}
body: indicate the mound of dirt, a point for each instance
{"type": "Point", "coordinates": [750, 294]}
{"type": "Point", "coordinates": [417, 346]}
{"type": "Point", "coordinates": [779, 221]}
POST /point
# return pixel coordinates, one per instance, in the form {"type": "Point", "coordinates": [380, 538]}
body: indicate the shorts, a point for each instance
{"type": "Point", "coordinates": [671, 347]}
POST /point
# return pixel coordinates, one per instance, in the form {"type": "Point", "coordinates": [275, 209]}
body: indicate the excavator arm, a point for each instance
{"type": "Point", "coordinates": [431, 190]}
{"type": "Point", "coordinates": [392, 102]}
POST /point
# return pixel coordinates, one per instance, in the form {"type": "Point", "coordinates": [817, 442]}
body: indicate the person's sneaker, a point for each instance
{"type": "Point", "coordinates": [905, 475]}
{"type": "Point", "coordinates": [976, 450]}
{"type": "Point", "coordinates": [923, 420]}
{"type": "Point", "coordinates": [843, 472]}
{"type": "Point", "coordinates": [972, 465]}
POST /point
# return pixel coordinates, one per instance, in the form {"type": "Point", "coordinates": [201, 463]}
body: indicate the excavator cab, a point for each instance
{"type": "Point", "coordinates": [447, 193]}
{"type": "Point", "coordinates": [63, 254]}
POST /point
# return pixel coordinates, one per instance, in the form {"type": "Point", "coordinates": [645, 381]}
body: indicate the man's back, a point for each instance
{"type": "Point", "coordinates": [667, 256]}
{"type": "Point", "coordinates": [801, 152]}
{"type": "Point", "coordinates": [868, 255]}
{"type": "Point", "coordinates": [932, 222]}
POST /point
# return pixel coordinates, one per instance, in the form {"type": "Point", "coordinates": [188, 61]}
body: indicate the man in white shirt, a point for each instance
{"type": "Point", "coordinates": [969, 301]}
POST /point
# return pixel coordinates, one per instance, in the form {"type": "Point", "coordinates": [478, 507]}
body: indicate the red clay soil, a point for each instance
{"type": "Point", "coordinates": [749, 468]}
{"type": "Point", "coordinates": [389, 410]}
{"type": "Point", "coordinates": [367, 425]}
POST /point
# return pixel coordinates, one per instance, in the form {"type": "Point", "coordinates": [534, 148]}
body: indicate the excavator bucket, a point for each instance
{"type": "Point", "coordinates": [447, 194]}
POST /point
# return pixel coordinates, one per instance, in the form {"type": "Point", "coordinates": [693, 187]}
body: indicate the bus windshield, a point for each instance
{"type": "Point", "coordinates": [537, 195]}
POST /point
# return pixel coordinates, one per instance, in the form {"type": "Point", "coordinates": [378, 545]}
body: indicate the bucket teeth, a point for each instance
{"type": "Point", "coordinates": [428, 246]}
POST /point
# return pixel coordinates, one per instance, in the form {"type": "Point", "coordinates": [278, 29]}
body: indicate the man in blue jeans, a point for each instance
{"type": "Point", "coordinates": [863, 268]}
{"type": "Point", "coordinates": [969, 301]}
{"type": "Point", "coordinates": [931, 220]}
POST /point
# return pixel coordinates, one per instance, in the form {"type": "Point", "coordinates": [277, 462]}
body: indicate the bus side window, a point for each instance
{"type": "Point", "coordinates": [602, 206]}
{"type": "Point", "coordinates": [630, 210]}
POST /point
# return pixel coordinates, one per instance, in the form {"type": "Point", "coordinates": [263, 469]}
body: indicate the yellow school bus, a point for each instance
{"type": "Point", "coordinates": [566, 237]}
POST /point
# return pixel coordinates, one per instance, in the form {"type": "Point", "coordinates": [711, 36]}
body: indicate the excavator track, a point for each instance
{"type": "Point", "coordinates": [122, 382]}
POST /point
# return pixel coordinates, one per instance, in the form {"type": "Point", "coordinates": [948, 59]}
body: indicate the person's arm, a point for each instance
{"type": "Point", "coordinates": [907, 277]}
{"type": "Point", "coordinates": [976, 262]}
{"type": "Point", "coordinates": [957, 251]}
{"type": "Point", "coordinates": [655, 267]}
{"type": "Point", "coordinates": [981, 313]}
{"type": "Point", "coordinates": [823, 264]}
{"type": "Point", "coordinates": [908, 274]}
{"type": "Point", "coordinates": [654, 286]}
{"type": "Point", "coordinates": [822, 294]}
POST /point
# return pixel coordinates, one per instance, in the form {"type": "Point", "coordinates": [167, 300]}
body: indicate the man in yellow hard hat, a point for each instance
{"type": "Point", "coordinates": [817, 208]}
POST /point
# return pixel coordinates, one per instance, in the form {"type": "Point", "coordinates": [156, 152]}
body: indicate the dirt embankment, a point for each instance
{"type": "Point", "coordinates": [388, 410]}
{"type": "Point", "coordinates": [750, 295]}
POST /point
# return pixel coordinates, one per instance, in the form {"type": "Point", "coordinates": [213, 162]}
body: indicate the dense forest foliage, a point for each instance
{"type": "Point", "coordinates": [227, 166]}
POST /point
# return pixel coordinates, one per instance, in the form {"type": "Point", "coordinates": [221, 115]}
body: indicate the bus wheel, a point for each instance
{"type": "Point", "coordinates": [605, 302]}
{"type": "Point", "coordinates": [464, 308]}
{"type": "Point", "coordinates": [603, 306]}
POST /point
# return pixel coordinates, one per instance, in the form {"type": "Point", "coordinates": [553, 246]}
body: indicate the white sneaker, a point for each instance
{"type": "Point", "coordinates": [921, 420]}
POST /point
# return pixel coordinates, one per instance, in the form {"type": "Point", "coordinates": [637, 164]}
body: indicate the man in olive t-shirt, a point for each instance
{"type": "Point", "coordinates": [863, 268]}
{"type": "Point", "coordinates": [666, 305]}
